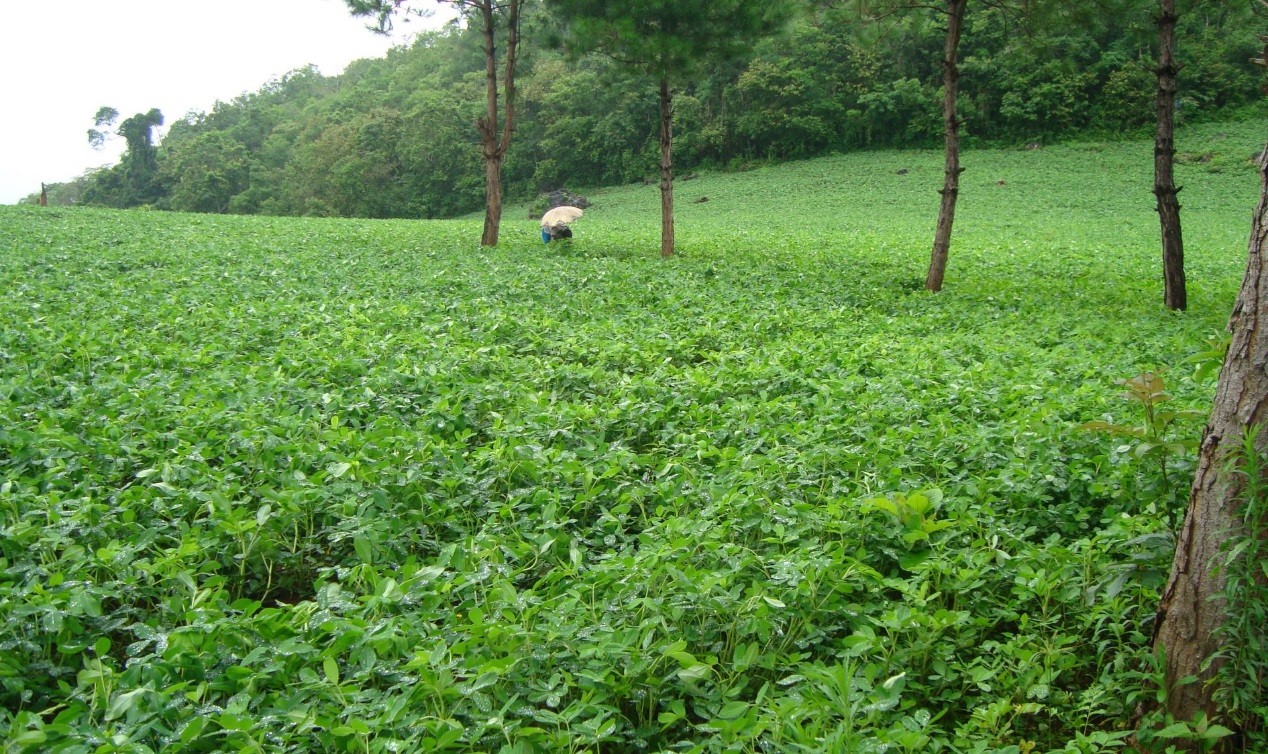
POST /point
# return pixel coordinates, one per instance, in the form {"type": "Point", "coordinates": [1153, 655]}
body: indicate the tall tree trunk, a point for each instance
{"type": "Point", "coordinates": [493, 140]}
{"type": "Point", "coordinates": [951, 182]}
{"type": "Point", "coordinates": [1193, 608]}
{"type": "Point", "coordinates": [492, 200]}
{"type": "Point", "coordinates": [1174, 294]}
{"type": "Point", "coordinates": [666, 171]}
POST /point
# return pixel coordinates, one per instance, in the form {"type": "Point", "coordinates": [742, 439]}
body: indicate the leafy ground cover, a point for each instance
{"type": "Point", "coordinates": [316, 485]}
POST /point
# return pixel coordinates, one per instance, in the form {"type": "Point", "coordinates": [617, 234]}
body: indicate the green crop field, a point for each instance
{"type": "Point", "coordinates": [294, 485]}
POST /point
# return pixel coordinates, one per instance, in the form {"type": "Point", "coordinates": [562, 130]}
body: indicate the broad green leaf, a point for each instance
{"type": "Point", "coordinates": [121, 703]}
{"type": "Point", "coordinates": [1176, 730]}
{"type": "Point", "coordinates": [364, 550]}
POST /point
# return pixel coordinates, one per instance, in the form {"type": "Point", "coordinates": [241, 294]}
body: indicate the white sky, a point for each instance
{"type": "Point", "coordinates": [60, 62]}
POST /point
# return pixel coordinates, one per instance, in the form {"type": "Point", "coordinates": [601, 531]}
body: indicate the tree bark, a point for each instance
{"type": "Point", "coordinates": [1174, 293]}
{"type": "Point", "coordinates": [666, 171]}
{"type": "Point", "coordinates": [493, 140]}
{"type": "Point", "coordinates": [951, 182]}
{"type": "Point", "coordinates": [1193, 607]}
{"type": "Point", "coordinates": [492, 199]}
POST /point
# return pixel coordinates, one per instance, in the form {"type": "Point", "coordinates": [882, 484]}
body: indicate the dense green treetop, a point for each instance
{"type": "Point", "coordinates": [667, 38]}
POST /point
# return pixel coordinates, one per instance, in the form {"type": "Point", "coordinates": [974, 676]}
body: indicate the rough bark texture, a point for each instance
{"type": "Point", "coordinates": [492, 199]}
{"type": "Point", "coordinates": [951, 183]}
{"type": "Point", "coordinates": [493, 140]}
{"type": "Point", "coordinates": [1174, 294]}
{"type": "Point", "coordinates": [1192, 608]}
{"type": "Point", "coordinates": [666, 171]}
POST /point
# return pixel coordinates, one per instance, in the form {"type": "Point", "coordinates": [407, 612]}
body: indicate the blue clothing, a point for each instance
{"type": "Point", "coordinates": [556, 233]}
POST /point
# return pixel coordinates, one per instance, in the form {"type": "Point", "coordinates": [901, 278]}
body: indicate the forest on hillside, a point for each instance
{"type": "Point", "coordinates": [394, 137]}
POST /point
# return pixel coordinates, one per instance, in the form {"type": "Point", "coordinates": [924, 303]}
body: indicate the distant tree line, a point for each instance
{"type": "Point", "coordinates": [393, 137]}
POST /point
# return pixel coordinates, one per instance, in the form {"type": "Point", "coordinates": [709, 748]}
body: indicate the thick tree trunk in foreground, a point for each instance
{"type": "Point", "coordinates": [666, 172]}
{"type": "Point", "coordinates": [1193, 608]}
{"type": "Point", "coordinates": [1174, 294]}
{"type": "Point", "coordinates": [951, 183]}
{"type": "Point", "coordinates": [493, 140]}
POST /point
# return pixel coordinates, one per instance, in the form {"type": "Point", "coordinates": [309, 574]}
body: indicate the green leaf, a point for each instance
{"type": "Point", "coordinates": [1215, 732]}
{"type": "Point", "coordinates": [883, 504]}
{"type": "Point", "coordinates": [364, 550]}
{"type": "Point", "coordinates": [918, 503]}
{"type": "Point", "coordinates": [1176, 730]}
{"type": "Point", "coordinates": [484, 680]}
{"type": "Point", "coordinates": [193, 729]}
{"type": "Point", "coordinates": [29, 738]}
{"type": "Point", "coordinates": [121, 703]}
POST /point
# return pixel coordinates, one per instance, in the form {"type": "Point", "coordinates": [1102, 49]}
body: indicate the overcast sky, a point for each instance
{"type": "Point", "coordinates": [60, 62]}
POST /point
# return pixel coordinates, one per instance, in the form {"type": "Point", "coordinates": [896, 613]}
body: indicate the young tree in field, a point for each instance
{"type": "Point", "coordinates": [1027, 12]}
{"type": "Point", "coordinates": [1194, 608]}
{"type": "Point", "coordinates": [495, 139]}
{"type": "Point", "coordinates": [1174, 294]}
{"type": "Point", "coordinates": [954, 11]}
{"type": "Point", "coordinates": [669, 40]}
